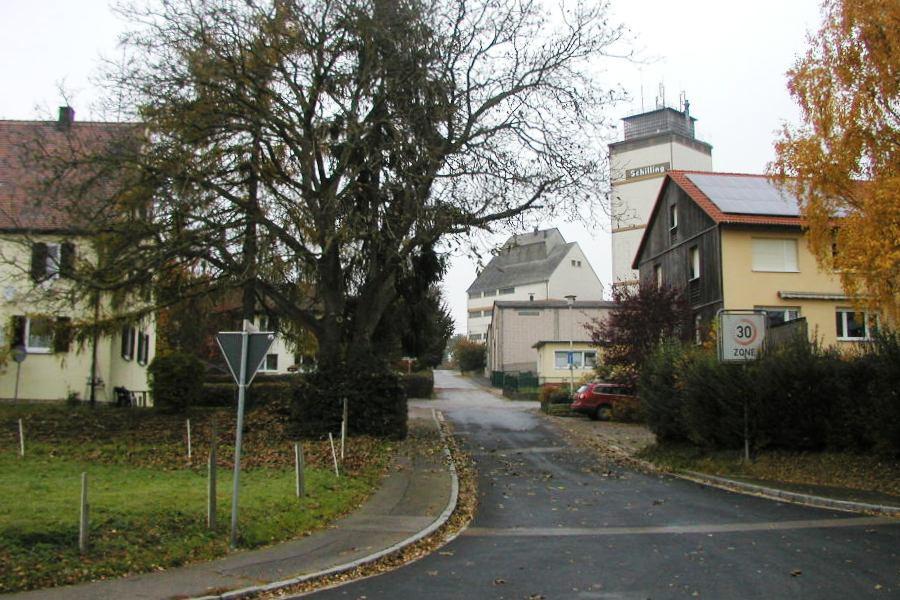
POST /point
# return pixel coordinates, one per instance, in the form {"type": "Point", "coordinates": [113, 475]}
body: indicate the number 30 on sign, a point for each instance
{"type": "Point", "coordinates": [741, 335]}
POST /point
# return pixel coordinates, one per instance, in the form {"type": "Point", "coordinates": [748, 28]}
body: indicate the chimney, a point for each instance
{"type": "Point", "coordinates": [66, 117]}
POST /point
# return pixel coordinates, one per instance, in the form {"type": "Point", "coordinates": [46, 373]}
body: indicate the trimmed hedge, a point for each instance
{"type": "Point", "coordinates": [175, 381]}
{"type": "Point", "coordinates": [260, 393]}
{"type": "Point", "coordinates": [418, 384]}
{"type": "Point", "coordinates": [799, 397]}
{"type": "Point", "coordinates": [377, 403]}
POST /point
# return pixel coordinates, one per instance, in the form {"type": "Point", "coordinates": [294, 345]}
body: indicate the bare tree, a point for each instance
{"type": "Point", "coordinates": [309, 152]}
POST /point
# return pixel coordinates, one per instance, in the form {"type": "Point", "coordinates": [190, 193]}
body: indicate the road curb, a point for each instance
{"type": "Point", "coordinates": [784, 495]}
{"type": "Point", "coordinates": [439, 522]}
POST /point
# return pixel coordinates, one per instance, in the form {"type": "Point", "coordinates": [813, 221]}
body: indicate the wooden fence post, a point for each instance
{"type": "Point", "coordinates": [83, 524]}
{"type": "Point", "coordinates": [211, 477]}
{"type": "Point", "coordinates": [298, 463]}
{"type": "Point", "coordinates": [21, 439]}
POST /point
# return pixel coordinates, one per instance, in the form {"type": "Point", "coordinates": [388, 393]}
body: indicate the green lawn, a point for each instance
{"type": "Point", "coordinates": [147, 504]}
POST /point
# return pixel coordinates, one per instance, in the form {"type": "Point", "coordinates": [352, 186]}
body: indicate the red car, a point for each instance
{"type": "Point", "coordinates": [596, 400]}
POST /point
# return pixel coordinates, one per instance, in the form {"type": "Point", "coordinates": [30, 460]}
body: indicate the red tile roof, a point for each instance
{"type": "Point", "coordinates": [681, 179]}
{"type": "Point", "coordinates": [21, 207]}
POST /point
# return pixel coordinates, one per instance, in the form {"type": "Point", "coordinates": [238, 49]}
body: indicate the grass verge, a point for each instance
{"type": "Point", "coordinates": [864, 472]}
{"type": "Point", "coordinates": [147, 501]}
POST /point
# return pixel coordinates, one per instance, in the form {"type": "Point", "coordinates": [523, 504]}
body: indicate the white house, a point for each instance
{"type": "Point", "coordinates": [539, 265]}
{"type": "Point", "coordinates": [39, 247]}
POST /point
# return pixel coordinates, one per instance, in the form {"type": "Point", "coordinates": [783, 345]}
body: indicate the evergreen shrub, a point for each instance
{"type": "Point", "coordinates": [176, 381]}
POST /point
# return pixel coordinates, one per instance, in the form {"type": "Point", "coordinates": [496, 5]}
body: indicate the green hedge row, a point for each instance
{"type": "Point", "coordinates": [799, 397]}
{"type": "Point", "coordinates": [418, 384]}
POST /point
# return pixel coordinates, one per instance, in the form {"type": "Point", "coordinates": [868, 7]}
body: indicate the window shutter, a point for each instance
{"type": "Point", "coordinates": [67, 259]}
{"type": "Point", "coordinates": [18, 331]}
{"type": "Point", "coordinates": [38, 262]}
{"type": "Point", "coordinates": [273, 323]}
{"type": "Point", "coordinates": [62, 334]}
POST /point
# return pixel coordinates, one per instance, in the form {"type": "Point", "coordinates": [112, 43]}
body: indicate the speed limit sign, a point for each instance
{"type": "Point", "coordinates": [741, 335]}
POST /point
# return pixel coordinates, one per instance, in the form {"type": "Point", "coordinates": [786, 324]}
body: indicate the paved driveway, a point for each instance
{"type": "Point", "coordinates": [557, 522]}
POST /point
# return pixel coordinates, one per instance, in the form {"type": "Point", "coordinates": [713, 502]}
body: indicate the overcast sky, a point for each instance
{"type": "Point", "coordinates": [728, 56]}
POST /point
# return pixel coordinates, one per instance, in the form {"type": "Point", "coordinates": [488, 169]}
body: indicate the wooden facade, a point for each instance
{"type": "Point", "coordinates": [677, 226]}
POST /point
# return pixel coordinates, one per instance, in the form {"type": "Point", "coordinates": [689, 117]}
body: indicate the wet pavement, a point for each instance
{"type": "Point", "coordinates": [555, 521]}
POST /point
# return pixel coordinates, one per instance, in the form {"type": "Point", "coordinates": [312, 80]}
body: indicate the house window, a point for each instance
{"type": "Point", "coordinates": [143, 348]}
{"type": "Point", "coordinates": [694, 267]}
{"type": "Point", "coordinates": [474, 314]}
{"type": "Point", "coordinates": [658, 275]}
{"type": "Point", "coordinates": [853, 325]}
{"type": "Point", "coordinates": [776, 315]}
{"type": "Point", "coordinates": [38, 335]}
{"type": "Point", "coordinates": [488, 293]}
{"type": "Point", "coordinates": [128, 335]}
{"type": "Point", "coordinates": [529, 313]}
{"type": "Point", "coordinates": [580, 359]}
{"type": "Point", "coordinates": [475, 337]}
{"type": "Point", "coordinates": [778, 255]}
{"type": "Point", "coordinates": [271, 363]}
{"type": "Point", "coordinates": [673, 217]}
{"type": "Point", "coordinates": [507, 291]}
{"type": "Point", "coordinates": [473, 295]}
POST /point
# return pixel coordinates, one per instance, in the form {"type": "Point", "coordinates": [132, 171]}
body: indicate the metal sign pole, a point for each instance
{"type": "Point", "coordinates": [242, 386]}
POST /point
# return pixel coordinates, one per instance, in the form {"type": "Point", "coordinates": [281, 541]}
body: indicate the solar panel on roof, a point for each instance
{"type": "Point", "coordinates": [746, 195]}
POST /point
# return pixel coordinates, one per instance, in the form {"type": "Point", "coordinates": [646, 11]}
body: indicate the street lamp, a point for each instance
{"type": "Point", "coordinates": [571, 300]}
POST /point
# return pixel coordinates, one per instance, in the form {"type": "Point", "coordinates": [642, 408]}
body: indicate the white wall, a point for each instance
{"type": "Point", "coordinates": [578, 279]}
{"type": "Point", "coordinates": [632, 200]}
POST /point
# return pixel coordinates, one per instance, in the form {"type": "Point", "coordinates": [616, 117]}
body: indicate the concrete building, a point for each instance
{"type": "Point", "coordinates": [655, 143]}
{"type": "Point", "coordinates": [734, 241]}
{"type": "Point", "coordinates": [39, 248]}
{"type": "Point", "coordinates": [539, 265]}
{"type": "Point", "coordinates": [521, 331]}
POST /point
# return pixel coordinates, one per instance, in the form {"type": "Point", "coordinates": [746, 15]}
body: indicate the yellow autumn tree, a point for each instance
{"type": "Point", "coordinates": [843, 161]}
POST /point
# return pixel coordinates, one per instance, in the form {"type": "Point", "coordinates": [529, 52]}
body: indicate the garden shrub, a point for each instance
{"type": "Point", "coordinates": [882, 419]}
{"type": "Point", "coordinates": [799, 396]}
{"type": "Point", "coordinates": [418, 384]}
{"type": "Point", "coordinates": [551, 396]}
{"type": "Point", "coordinates": [377, 401]}
{"type": "Point", "coordinates": [628, 410]}
{"type": "Point", "coordinates": [176, 381]}
{"type": "Point", "coordinates": [470, 356]}
{"type": "Point", "coordinates": [660, 398]}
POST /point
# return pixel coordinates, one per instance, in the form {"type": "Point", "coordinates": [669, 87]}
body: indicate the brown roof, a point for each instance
{"type": "Point", "coordinates": [21, 206]}
{"type": "Point", "coordinates": [732, 216]}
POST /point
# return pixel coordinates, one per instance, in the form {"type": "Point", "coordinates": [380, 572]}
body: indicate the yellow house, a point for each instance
{"type": "Point", "coordinates": [38, 251]}
{"type": "Point", "coordinates": [553, 364]}
{"type": "Point", "coordinates": [735, 241]}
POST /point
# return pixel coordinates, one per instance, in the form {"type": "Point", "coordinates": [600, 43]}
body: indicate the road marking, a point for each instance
{"type": "Point", "coordinates": [507, 452]}
{"type": "Point", "coordinates": [678, 529]}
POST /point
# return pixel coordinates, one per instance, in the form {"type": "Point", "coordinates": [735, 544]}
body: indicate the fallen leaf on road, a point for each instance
{"type": "Point", "coordinates": [796, 573]}
{"type": "Point", "coordinates": [499, 581]}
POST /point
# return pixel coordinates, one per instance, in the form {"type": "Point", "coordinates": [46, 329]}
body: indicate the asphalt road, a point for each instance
{"type": "Point", "coordinates": [557, 522]}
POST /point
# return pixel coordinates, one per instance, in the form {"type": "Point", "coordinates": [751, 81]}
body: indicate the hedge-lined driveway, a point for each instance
{"type": "Point", "coordinates": [555, 521]}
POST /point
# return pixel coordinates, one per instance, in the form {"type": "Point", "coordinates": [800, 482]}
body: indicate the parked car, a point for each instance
{"type": "Point", "coordinates": [597, 399]}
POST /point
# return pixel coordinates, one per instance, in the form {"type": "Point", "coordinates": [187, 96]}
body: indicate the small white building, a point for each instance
{"type": "Point", "coordinates": [539, 265]}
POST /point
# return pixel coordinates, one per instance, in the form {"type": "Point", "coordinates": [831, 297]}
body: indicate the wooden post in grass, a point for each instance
{"type": "Point", "coordinates": [83, 520]}
{"type": "Point", "coordinates": [189, 439]}
{"type": "Point", "coordinates": [299, 466]}
{"type": "Point", "coordinates": [344, 429]}
{"type": "Point", "coordinates": [211, 477]}
{"type": "Point", "coordinates": [333, 454]}
{"type": "Point", "coordinates": [21, 439]}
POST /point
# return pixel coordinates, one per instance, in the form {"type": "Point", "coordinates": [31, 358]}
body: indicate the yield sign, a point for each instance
{"type": "Point", "coordinates": [258, 345]}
